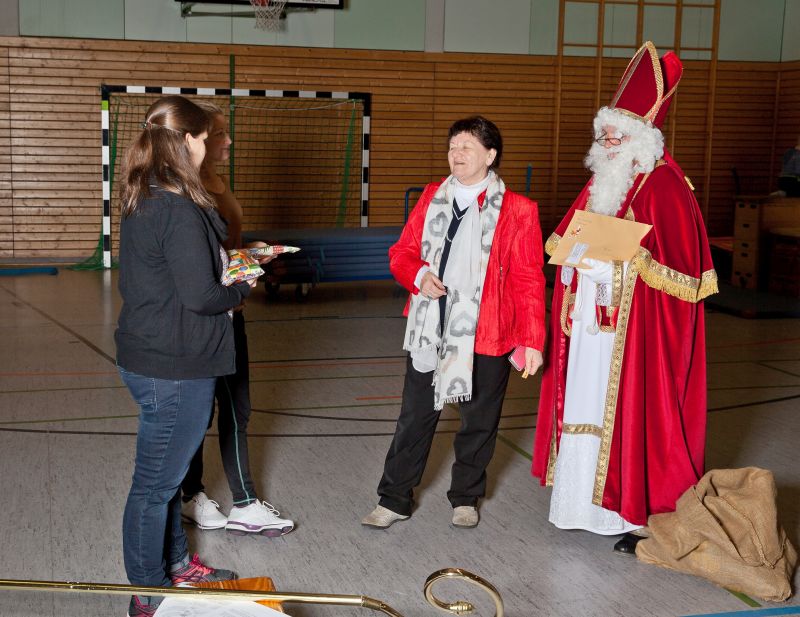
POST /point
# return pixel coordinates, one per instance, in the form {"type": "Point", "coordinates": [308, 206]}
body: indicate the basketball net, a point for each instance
{"type": "Point", "coordinates": [268, 14]}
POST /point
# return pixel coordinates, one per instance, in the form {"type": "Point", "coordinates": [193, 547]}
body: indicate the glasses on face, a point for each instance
{"type": "Point", "coordinates": [604, 140]}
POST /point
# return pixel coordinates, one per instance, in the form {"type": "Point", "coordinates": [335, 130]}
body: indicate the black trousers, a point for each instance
{"type": "Point", "coordinates": [790, 185]}
{"type": "Point", "coordinates": [474, 442]}
{"type": "Point", "coordinates": [233, 407]}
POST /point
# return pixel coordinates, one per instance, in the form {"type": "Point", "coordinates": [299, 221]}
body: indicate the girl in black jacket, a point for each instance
{"type": "Point", "coordinates": [174, 337]}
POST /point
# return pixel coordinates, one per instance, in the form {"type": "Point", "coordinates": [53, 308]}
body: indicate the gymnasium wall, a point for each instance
{"type": "Point", "coordinates": [50, 191]}
{"type": "Point", "coordinates": [788, 124]}
{"type": "Point", "coordinates": [750, 31]}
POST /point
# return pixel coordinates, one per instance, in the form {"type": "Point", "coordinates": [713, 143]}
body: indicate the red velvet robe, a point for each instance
{"type": "Point", "coordinates": [653, 438]}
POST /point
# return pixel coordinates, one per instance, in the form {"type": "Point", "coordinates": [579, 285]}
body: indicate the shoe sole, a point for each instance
{"type": "Point", "coordinates": [191, 521]}
{"type": "Point", "coordinates": [268, 532]}
{"type": "Point", "coordinates": [464, 526]}
{"type": "Point", "coordinates": [386, 526]}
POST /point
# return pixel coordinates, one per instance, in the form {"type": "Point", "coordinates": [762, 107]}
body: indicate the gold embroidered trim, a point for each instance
{"type": "Point", "coordinates": [629, 216]}
{"type": "Point", "coordinates": [639, 188]}
{"type": "Point", "coordinates": [551, 244]}
{"type": "Point", "coordinates": [682, 286]}
{"type": "Point", "coordinates": [708, 285]}
{"type": "Point", "coordinates": [551, 463]}
{"type": "Point", "coordinates": [615, 370]}
{"type": "Point", "coordinates": [582, 429]}
{"type": "Point", "coordinates": [642, 266]}
{"type": "Point", "coordinates": [649, 49]}
{"type": "Point", "coordinates": [630, 114]}
{"type": "Point", "coordinates": [611, 329]}
{"type": "Point", "coordinates": [616, 283]}
{"type": "Point", "coordinates": [569, 297]}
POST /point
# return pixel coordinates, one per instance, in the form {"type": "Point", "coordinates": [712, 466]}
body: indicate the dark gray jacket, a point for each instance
{"type": "Point", "coordinates": [174, 322]}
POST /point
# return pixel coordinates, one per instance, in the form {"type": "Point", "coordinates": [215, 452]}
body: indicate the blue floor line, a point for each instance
{"type": "Point", "coordinates": [761, 612]}
{"type": "Point", "coordinates": [23, 271]}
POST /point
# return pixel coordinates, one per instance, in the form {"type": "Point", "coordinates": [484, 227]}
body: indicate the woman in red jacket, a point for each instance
{"type": "Point", "coordinates": [471, 256]}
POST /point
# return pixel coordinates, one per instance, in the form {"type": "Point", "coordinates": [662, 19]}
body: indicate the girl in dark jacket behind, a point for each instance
{"type": "Point", "coordinates": [174, 337]}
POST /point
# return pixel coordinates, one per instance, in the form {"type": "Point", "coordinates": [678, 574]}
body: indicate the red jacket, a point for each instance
{"type": "Point", "coordinates": [512, 304]}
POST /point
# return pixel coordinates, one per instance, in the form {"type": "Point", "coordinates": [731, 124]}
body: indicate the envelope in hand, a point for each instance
{"type": "Point", "coordinates": [596, 236]}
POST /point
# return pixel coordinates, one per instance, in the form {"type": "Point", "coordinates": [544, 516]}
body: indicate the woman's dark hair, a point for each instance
{"type": "Point", "coordinates": [485, 131]}
{"type": "Point", "coordinates": [160, 154]}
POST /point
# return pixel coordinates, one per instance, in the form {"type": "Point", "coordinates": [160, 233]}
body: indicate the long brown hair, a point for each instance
{"type": "Point", "coordinates": [160, 155]}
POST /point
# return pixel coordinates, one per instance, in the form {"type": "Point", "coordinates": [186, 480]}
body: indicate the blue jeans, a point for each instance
{"type": "Point", "coordinates": [172, 422]}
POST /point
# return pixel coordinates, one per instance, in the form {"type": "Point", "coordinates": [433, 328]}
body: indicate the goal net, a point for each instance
{"type": "Point", "coordinates": [298, 159]}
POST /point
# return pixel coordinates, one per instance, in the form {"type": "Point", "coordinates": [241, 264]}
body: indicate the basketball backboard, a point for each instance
{"type": "Point", "coordinates": [308, 4]}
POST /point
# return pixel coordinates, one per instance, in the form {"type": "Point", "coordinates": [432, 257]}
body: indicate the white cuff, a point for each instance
{"type": "Point", "coordinates": [420, 274]}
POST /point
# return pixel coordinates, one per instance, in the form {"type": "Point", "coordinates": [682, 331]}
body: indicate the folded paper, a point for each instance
{"type": "Point", "coordinates": [600, 237]}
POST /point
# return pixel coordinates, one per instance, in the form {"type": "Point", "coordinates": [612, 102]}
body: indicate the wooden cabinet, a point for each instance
{"type": "Point", "coordinates": [784, 261]}
{"type": "Point", "coordinates": [754, 217]}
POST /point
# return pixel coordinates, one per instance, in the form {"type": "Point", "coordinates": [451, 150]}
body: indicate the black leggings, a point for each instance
{"type": "Point", "coordinates": [233, 403]}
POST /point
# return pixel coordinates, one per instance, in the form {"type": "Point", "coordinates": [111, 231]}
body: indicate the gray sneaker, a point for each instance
{"type": "Point", "coordinates": [381, 518]}
{"type": "Point", "coordinates": [465, 517]}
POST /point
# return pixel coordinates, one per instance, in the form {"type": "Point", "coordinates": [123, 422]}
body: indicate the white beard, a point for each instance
{"type": "Point", "coordinates": [612, 179]}
{"type": "Point", "coordinates": [614, 169]}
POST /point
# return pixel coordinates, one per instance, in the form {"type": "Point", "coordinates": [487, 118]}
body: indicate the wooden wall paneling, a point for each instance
{"type": "Point", "coordinates": [551, 213]}
{"type": "Point", "coordinates": [712, 83]}
{"type": "Point", "coordinates": [774, 169]}
{"type": "Point", "coordinates": [514, 94]}
{"type": "Point", "coordinates": [788, 113]}
{"type": "Point", "coordinates": [598, 69]}
{"type": "Point", "coordinates": [6, 187]}
{"type": "Point", "coordinates": [49, 119]}
{"type": "Point", "coordinates": [677, 44]}
{"type": "Point", "coordinates": [401, 86]}
{"type": "Point", "coordinates": [578, 108]}
{"type": "Point", "coordinates": [742, 127]}
{"type": "Point", "coordinates": [54, 81]}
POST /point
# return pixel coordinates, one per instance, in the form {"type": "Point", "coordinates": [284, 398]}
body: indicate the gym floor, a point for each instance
{"type": "Point", "coordinates": [327, 376]}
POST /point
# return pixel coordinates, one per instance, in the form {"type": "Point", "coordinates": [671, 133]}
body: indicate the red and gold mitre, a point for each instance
{"type": "Point", "coordinates": [648, 85]}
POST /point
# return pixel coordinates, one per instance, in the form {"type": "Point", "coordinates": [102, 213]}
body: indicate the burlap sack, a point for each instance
{"type": "Point", "coordinates": [725, 529]}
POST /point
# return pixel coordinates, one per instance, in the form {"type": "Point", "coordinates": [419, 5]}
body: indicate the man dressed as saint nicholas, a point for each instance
{"type": "Point", "coordinates": [622, 416]}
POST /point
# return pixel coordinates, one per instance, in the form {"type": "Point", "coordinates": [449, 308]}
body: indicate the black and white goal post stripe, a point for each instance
{"type": "Point", "coordinates": [107, 90]}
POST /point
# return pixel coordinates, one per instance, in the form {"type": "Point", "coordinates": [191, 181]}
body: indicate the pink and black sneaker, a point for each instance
{"type": "Point", "coordinates": [138, 608]}
{"type": "Point", "coordinates": [195, 571]}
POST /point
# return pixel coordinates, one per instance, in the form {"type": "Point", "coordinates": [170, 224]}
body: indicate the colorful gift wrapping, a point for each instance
{"type": "Point", "coordinates": [240, 267]}
{"type": "Point", "coordinates": [261, 583]}
{"type": "Point", "coordinates": [275, 249]}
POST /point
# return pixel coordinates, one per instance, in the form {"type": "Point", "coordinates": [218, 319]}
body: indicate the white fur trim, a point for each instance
{"type": "Point", "coordinates": [647, 141]}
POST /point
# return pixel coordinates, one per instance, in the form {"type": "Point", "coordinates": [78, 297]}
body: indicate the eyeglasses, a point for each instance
{"type": "Point", "coordinates": [611, 141]}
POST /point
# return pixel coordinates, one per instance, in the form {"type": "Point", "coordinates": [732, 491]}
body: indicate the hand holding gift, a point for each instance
{"type": "Point", "coordinates": [265, 252]}
{"type": "Point", "coordinates": [241, 267]}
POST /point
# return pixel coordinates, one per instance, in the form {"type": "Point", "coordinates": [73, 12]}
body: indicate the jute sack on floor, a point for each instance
{"type": "Point", "coordinates": [725, 529]}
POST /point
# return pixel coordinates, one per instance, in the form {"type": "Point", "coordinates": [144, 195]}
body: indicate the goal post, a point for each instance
{"type": "Point", "coordinates": [295, 159]}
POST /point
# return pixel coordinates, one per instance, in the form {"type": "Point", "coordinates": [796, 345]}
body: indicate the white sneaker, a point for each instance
{"type": "Point", "coordinates": [381, 518]}
{"type": "Point", "coordinates": [258, 517]}
{"type": "Point", "coordinates": [203, 512]}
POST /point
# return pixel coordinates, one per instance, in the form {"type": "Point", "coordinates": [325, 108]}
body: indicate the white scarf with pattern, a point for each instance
{"type": "Point", "coordinates": [464, 275]}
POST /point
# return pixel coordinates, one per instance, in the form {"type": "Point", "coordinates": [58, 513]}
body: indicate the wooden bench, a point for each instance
{"type": "Point", "coordinates": [327, 255]}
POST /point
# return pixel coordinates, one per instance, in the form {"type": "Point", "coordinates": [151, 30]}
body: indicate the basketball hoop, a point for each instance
{"type": "Point", "coordinates": [268, 14]}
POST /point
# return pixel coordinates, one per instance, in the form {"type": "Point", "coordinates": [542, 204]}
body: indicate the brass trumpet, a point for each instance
{"type": "Point", "coordinates": [457, 608]}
